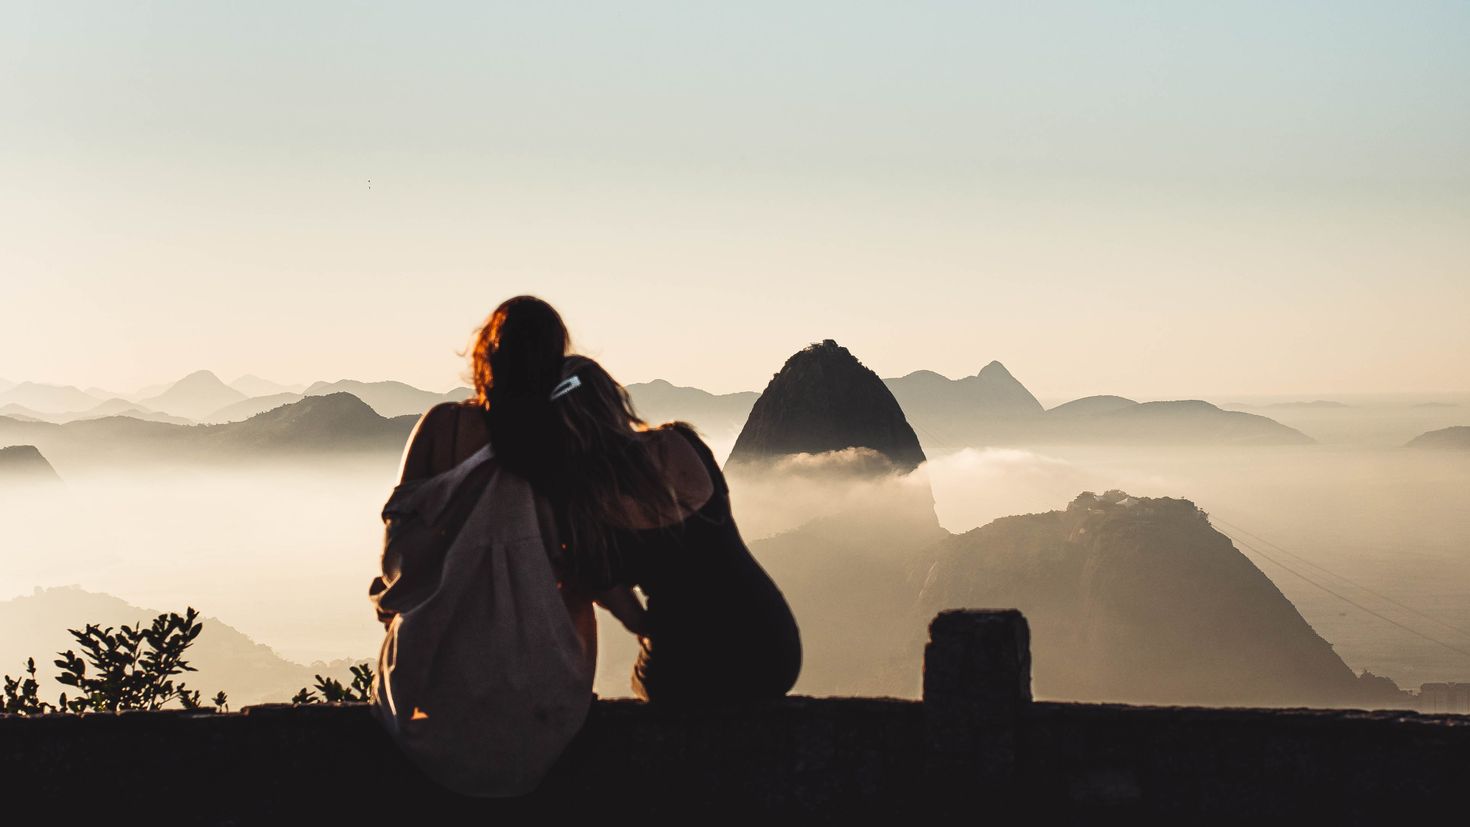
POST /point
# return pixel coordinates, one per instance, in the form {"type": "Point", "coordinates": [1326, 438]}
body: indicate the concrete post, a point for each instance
{"type": "Point", "coordinates": [977, 684]}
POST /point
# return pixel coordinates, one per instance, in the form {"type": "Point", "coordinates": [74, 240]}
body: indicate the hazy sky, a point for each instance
{"type": "Point", "coordinates": [1148, 198]}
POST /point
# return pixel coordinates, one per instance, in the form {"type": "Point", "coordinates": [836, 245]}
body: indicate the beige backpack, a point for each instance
{"type": "Point", "coordinates": [482, 679]}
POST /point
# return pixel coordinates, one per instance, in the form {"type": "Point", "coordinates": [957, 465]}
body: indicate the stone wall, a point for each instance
{"type": "Point", "coordinates": [977, 745]}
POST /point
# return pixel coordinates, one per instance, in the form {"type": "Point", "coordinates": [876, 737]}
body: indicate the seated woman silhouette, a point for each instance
{"type": "Point", "coordinates": [649, 507]}
{"type": "Point", "coordinates": [515, 363]}
{"type": "Point", "coordinates": [634, 506]}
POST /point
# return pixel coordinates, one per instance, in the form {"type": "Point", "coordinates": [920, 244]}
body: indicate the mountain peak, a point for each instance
{"type": "Point", "coordinates": [824, 399]}
{"type": "Point", "coordinates": [200, 377]}
{"type": "Point", "coordinates": [995, 369]}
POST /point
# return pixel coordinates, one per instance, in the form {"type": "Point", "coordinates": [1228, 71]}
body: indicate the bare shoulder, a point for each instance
{"type": "Point", "coordinates": [424, 456]}
{"type": "Point", "coordinates": [680, 462]}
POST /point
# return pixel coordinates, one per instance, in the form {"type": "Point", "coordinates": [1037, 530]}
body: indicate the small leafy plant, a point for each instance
{"type": "Point", "coordinates": [332, 691]}
{"type": "Point", "coordinates": [133, 667]}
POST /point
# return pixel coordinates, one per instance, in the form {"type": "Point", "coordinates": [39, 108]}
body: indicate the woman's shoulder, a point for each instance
{"type": "Point", "coordinates": [446, 415]}
{"type": "Point", "coordinates": [435, 437]}
{"type": "Point", "coordinates": [684, 459]}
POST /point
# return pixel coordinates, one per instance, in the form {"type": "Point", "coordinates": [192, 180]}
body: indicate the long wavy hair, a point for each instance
{"type": "Point", "coordinates": [516, 361]}
{"type": "Point", "coordinates": [615, 483]}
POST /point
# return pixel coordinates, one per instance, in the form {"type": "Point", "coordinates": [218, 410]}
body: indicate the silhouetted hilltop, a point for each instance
{"type": "Point", "coordinates": [335, 423]}
{"type": "Point", "coordinates": [1456, 438]}
{"type": "Point", "coordinates": [991, 393]}
{"type": "Point", "coordinates": [659, 401]}
{"type": "Point", "coordinates": [117, 406]}
{"type": "Point", "coordinates": [24, 463]}
{"type": "Point", "coordinates": [225, 657]}
{"type": "Point", "coordinates": [48, 399]}
{"type": "Point", "coordinates": [246, 408]}
{"type": "Point", "coordinates": [389, 398]}
{"type": "Point", "coordinates": [1142, 600]}
{"type": "Point", "coordinates": [195, 396]}
{"type": "Point", "coordinates": [1188, 421]}
{"type": "Point", "coordinates": [1091, 406]}
{"type": "Point", "coordinates": [822, 400]}
{"type": "Point", "coordinates": [252, 385]}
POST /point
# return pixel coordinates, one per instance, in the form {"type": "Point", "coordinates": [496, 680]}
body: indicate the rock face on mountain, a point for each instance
{"type": "Point", "coordinates": [823, 400]}
{"type": "Point", "coordinates": [24, 464]}
{"type": "Point", "coordinates": [1445, 439]}
{"type": "Point", "coordinates": [1141, 600]}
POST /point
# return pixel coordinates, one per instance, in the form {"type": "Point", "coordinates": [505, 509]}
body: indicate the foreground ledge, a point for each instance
{"type": "Point", "coordinates": [976, 746]}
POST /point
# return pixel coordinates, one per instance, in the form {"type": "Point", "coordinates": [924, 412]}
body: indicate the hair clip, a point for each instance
{"type": "Point", "coordinates": [566, 386]}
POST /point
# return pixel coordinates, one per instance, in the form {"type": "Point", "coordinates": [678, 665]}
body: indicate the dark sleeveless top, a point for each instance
{"type": "Point", "coordinates": [651, 556]}
{"type": "Point", "coordinates": [717, 623]}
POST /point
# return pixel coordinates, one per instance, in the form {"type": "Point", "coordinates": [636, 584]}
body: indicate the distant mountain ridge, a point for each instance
{"type": "Point", "coordinates": [389, 398]}
{"type": "Point", "coordinates": [195, 396]}
{"type": "Point", "coordinates": [47, 399]}
{"type": "Point", "coordinates": [993, 392]}
{"type": "Point", "coordinates": [25, 464]}
{"type": "Point", "coordinates": [1454, 438]}
{"type": "Point", "coordinates": [336, 423]}
{"type": "Point", "coordinates": [660, 401]}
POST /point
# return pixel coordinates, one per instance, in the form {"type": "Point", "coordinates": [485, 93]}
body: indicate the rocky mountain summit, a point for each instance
{"type": "Point", "coordinates": [1141, 600]}
{"type": "Point", "coordinates": [824, 399]}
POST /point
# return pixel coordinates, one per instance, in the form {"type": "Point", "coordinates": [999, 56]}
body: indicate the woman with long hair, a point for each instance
{"type": "Point", "coordinates": [649, 507]}
{"type": "Point", "coordinates": [515, 362]}
{"type": "Point", "coordinates": [634, 506]}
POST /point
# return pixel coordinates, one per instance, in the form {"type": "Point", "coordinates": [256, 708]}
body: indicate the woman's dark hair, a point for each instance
{"type": "Point", "coordinates": [516, 361]}
{"type": "Point", "coordinates": [616, 483]}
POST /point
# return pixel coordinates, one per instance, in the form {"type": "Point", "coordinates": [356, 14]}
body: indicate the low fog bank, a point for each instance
{"type": "Point", "coordinates": [284, 551]}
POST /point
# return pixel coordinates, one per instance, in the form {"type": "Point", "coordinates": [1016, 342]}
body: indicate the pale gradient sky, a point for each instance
{"type": "Point", "coordinates": [1148, 198]}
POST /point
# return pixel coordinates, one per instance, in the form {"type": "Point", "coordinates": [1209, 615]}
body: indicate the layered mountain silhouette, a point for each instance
{"type": "Point", "coordinates": [822, 400]}
{"type": "Point", "coordinates": [1142, 600]}
{"type": "Point", "coordinates": [25, 464]}
{"type": "Point", "coordinates": [246, 408]}
{"type": "Point", "coordinates": [225, 657]}
{"type": "Point", "coordinates": [252, 385]}
{"type": "Point", "coordinates": [195, 396]}
{"type": "Point", "coordinates": [993, 408]}
{"type": "Point", "coordinates": [389, 398]}
{"type": "Point", "coordinates": [1456, 438]}
{"type": "Point", "coordinates": [993, 392]}
{"type": "Point", "coordinates": [335, 423]}
{"type": "Point", "coordinates": [1184, 421]}
{"type": "Point", "coordinates": [47, 399]}
{"type": "Point", "coordinates": [660, 401]}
